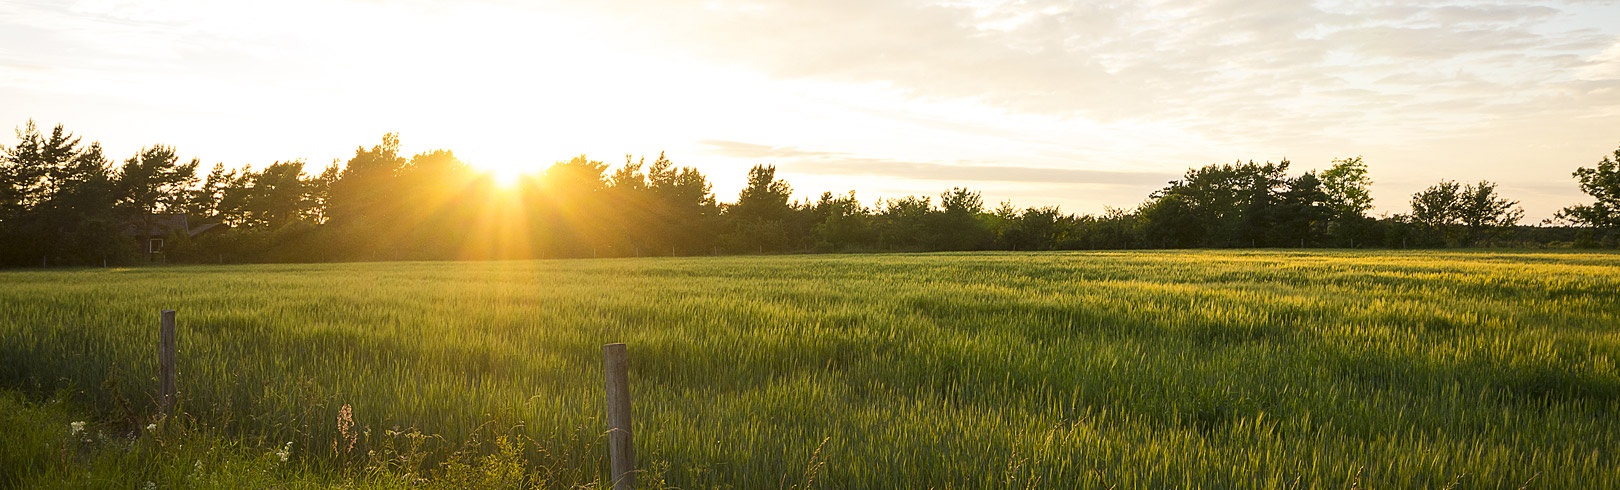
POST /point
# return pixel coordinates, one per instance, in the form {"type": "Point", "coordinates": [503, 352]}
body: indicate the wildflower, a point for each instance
{"type": "Point", "coordinates": [152, 427]}
{"type": "Point", "coordinates": [285, 452]}
{"type": "Point", "coordinates": [76, 427]}
{"type": "Point", "coordinates": [150, 486]}
{"type": "Point", "coordinates": [345, 422]}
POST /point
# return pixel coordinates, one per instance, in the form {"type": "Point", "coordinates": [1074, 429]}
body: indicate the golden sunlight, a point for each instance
{"type": "Point", "coordinates": [506, 178]}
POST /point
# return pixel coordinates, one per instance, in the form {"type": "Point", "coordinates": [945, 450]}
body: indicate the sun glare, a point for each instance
{"type": "Point", "coordinates": [506, 178]}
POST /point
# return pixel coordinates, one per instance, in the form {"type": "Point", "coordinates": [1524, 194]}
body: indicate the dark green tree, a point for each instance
{"type": "Point", "coordinates": [764, 197]}
{"type": "Point", "coordinates": [441, 206]}
{"type": "Point", "coordinates": [631, 210]}
{"type": "Point", "coordinates": [902, 224]}
{"type": "Point", "coordinates": [1348, 188]}
{"type": "Point", "coordinates": [1463, 213]}
{"type": "Point", "coordinates": [570, 204]}
{"type": "Point", "coordinates": [839, 223]}
{"type": "Point", "coordinates": [318, 191]}
{"type": "Point", "coordinates": [685, 216]}
{"type": "Point", "coordinates": [236, 198]}
{"type": "Point", "coordinates": [279, 197]}
{"type": "Point", "coordinates": [1000, 222]}
{"type": "Point", "coordinates": [1042, 228]}
{"type": "Point", "coordinates": [56, 200]}
{"type": "Point", "coordinates": [959, 226]}
{"type": "Point", "coordinates": [1217, 206]}
{"type": "Point", "coordinates": [1349, 196]}
{"type": "Point", "coordinates": [1115, 228]}
{"type": "Point", "coordinates": [1602, 182]}
{"type": "Point", "coordinates": [154, 182]}
{"type": "Point", "coordinates": [763, 218]}
{"type": "Point", "coordinates": [1482, 212]}
{"type": "Point", "coordinates": [363, 202]}
{"type": "Point", "coordinates": [1170, 220]}
{"type": "Point", "coordinates": [204, 201]}
{"type": "Point", "coordinates": [1435, 210]}
{"type": "Point", "coordinates": [1301, 213]}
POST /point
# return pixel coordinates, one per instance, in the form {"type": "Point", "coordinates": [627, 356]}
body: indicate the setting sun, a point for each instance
{"type": "Point", "coordinates": [507, 178]}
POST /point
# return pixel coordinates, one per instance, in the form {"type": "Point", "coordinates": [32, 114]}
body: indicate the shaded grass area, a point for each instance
{"type": "Point", "coordinates": [1206, 369]}
{"type": "Point", "coordinates": [51, 444]}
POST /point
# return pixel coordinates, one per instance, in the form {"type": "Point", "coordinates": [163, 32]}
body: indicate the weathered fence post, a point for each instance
{"type": "Point", "coordinates": [621, 449]}
{"type": "Point", "coordinates": [166, 363]}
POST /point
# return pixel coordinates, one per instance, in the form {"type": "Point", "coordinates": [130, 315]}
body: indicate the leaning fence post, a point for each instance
{"type": "Point", "coordinates": [166, 363]}
{"type": "Point", "coordinates": [621, 449]}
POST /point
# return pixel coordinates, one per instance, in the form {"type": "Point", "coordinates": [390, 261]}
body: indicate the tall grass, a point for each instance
{"type": "Point", "coordinates": [1078, 370]}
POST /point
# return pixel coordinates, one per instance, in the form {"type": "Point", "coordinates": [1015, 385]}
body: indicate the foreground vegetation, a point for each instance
{"type": "Point", "coordinates": [51, 444]}
{"type": "Point", "coordinates": [1237, 369]}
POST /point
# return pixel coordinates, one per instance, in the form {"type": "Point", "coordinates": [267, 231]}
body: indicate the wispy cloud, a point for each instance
{"type": "Point", "coordinates": [833, 163]}
{"type": "Point", "coordinates": [1197, 61]}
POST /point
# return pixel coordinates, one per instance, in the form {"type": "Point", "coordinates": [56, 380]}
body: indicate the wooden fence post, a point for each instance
{"type": "Point", "coordinates": [166, 363]}
{"type": "Point", "coordinates": [621, 449]}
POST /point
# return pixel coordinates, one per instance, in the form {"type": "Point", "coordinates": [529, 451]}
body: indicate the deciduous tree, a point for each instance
{"type": "Point", "coordinates": [1602, 182]}
{"type": "Point", "coordinates": [152, 182]}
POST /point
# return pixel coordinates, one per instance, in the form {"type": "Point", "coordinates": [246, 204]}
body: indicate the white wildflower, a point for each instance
{"type": "Point", "coordinates": [285, 452]}
{"type": "Point", "coordinates": [150, 486]}
{"type": "Point", "coordinates": [76, 427]}
{"type": "Point", "coordinates": [152, 427]}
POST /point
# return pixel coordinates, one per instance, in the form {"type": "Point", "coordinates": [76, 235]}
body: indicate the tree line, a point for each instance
{"type": "Point", "coordinates": [64, 202]}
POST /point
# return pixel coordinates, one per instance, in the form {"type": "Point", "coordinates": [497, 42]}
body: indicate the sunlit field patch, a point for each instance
{"type": "Point", "coordinates": [1121, 370]}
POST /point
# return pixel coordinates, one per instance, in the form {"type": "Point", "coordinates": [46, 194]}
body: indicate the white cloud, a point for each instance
{"type": "Point", "coordinates": [1604, 65]}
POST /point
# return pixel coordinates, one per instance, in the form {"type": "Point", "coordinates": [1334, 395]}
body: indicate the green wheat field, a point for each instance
{"type": "Point", "coordinates": [1124, 370]}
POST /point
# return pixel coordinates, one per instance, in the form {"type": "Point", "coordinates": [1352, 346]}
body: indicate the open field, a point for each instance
{"type": "Point", "coordinates": [1223, 369]}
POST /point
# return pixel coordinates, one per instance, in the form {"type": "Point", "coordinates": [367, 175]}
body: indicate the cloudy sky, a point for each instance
{"type": "Point", "coordinates": [1078, 104]}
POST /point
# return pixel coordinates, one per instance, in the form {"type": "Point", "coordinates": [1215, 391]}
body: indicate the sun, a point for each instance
{"type": "Point", "coordinates": [506, 178]}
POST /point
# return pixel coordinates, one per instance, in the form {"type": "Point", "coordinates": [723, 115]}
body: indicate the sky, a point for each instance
{"type": "Point", "coordinates": [1075, 104]}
